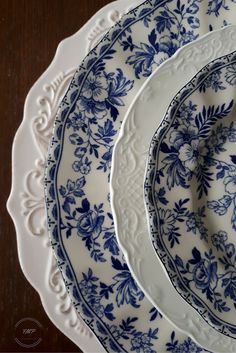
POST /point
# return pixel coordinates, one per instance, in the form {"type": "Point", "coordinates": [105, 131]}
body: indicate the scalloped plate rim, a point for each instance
{"type": "Point", "coordinates": [89, 343]}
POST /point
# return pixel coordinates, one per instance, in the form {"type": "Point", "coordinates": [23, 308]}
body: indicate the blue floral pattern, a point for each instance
{"type": "Point", "coordinates": [187, 346]}
{"type": "Point", "coordinates": [102, 94]}
{"type": "Point", "coordinates": [79, 216]}
{"type": "Point", "coordinates": [203, 271]}
{"type": "Point", "coordinates": [174, 28]}
{"type": "Point", "coordinates": [88, 222]}
{"type": "Point", "coordinates": [215, 6]}
{"type": "Point", "coordinates": [193, 153]}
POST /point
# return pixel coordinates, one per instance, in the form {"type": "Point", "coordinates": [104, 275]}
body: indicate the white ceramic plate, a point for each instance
{"type": "Point", "coordinates": [127, 180]}
{"type": "Point", "coordinates": [26, 202]}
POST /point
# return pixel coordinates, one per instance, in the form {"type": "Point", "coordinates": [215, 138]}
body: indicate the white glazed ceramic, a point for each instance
{"type": "Point", "coordinates": [127, 180]}
{"type": "Point", "coordinates": [26, 202]}
{"type": "Point", "coordinates": [77, 177]}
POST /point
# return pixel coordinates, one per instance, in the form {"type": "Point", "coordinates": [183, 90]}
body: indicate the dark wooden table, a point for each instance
{"type": "Point", "coordinates": [30, 31]}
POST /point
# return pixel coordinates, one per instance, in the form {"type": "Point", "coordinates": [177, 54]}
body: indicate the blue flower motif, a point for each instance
{"type": "Point", "coordinates": [167, 221]}
{"type": "Point", "coordinates": [141, 343]}
{"type": "Point", "coordinates": [148, 350]}
{"type": "Point", "coordinates": [192, 154]}
{"type": "Point", "coordinates": [95, 87]}
{"type": "Point", "coordinates": [85, 168]}
{"type": "Point", "coordinates": [89, 223]}
{"type": "Point", "coordinates": [230, 75]}
{"type": "Point", "coordinates": [205, 274]}
{"type": "Point", "coordinates": [87, 287]}
{"type": "Point", "coordinates": [142, 60]}
{"type": "Point", "coordinates": [186, 111]}
{"type": "Point", "coordinates": [183, 135]}
{"type": "Point", "coordinates": [77, 122]}
{"type": "Point", "coordinates": [146, 340]}
{"type": "Point", "coordinates": [95, 302]}
{"type": "Point", "coordinates": [230, 182]}
{"type": "Point", "coordinates": [76, 166]}
{"type": "Point", "coordinates": [92, 108]}
{"type": "Point", "coordinates": [82, 167]}
{"type": "Point", "coordinates": [219, 239]}
{"type": "Point", "coordinates": [188, 36]}
{"type": "Point", "coordinates": [88, 284]}
{"type": "Point", "coordinates": [137, 343]}
{"type": "Point", "coordinates": [143, 56]}
{"type": "Point", "coordinates": [191, 224]}
{"type": "Point", "coordinates": [195, 222]}
{"type": "Point", "coordinates": [213, 81]}
{"type": "Point", "coordinates": [188, 346]}
{"type": "Point", "coordinates": [173, 30]}
{"type": "Point", "coordinates": [214, 140]}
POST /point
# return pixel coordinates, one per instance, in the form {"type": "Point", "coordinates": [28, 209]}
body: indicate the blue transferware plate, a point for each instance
{"type": "Point", "coordinates": [77, 177]}
{"type": "Point", "coordinates": [127, 190]}
{"type": "Point", "coordinates": [192, 161]}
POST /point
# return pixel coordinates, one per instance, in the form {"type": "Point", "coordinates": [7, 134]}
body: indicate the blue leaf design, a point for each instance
{"type": "Point", "coordinates": [117, 265]}
{"type": "Point", "coordinates": [153, 40]}
{"type": "Point", "coordinates": [179, 261]}
{"type": "Point", "coordinates": [85, 206]}
{"type": "Point", "coordinates": [196, 257]}
{"type": "Point", "coordinates": [193, 22]}
{"type": "Point", "coordinates": [233, 159]}
{"type": "Point", "coordinates": [108, 312]}
{"type": "Point", "coordinates": [163, 21]}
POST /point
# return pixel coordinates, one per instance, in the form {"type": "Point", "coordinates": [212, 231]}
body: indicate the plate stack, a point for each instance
{"type": "Point", "coordinates": [129, 188]}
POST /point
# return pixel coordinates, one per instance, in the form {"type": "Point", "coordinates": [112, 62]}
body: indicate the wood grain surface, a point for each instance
{"type": "Point", "coordinates": [30, 31]}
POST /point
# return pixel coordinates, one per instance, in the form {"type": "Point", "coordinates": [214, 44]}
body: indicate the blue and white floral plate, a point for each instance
{"type": "Point", "coordinates": [190, 192]}
{"type": "Point", "coordinates": [77, 178]}
{"type": "Point", "coordinates": [127, 179]}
